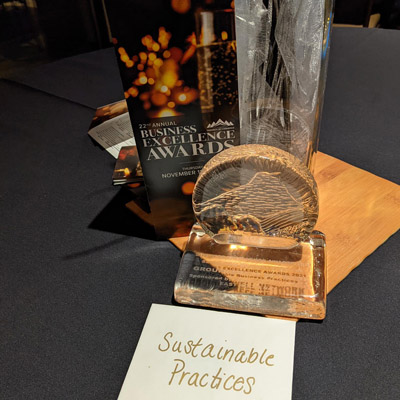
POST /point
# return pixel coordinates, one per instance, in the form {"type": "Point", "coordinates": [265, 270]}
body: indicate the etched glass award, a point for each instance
{"type": "Point", "coordinates": [254, 247]}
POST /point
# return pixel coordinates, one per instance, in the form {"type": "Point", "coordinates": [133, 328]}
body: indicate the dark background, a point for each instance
{"type": "Point", "coordinates": [38, 31]}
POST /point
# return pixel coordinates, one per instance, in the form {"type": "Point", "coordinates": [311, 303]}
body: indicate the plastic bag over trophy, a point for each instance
{"type": "Point", "coordinates": [254, 247]}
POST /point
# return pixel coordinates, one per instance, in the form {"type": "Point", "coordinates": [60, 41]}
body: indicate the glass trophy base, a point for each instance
{"type": "Point", "coordinates": [272, 281]}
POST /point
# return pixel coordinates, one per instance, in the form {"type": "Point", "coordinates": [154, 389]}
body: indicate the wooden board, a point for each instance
{"type": "Point", "coordinates": [358, 212]}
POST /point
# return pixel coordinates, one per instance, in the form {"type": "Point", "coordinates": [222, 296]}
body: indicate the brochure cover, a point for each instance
{"type": "Point", "coordinates": [178, 66]}
{"type": "Point", "coordinates": [127, 168]}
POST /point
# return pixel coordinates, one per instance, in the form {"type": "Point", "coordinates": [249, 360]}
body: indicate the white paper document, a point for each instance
{"type": "Point", "coordinates": [185, 353]}
{"type": "Point", "coordinates": [114, 134]}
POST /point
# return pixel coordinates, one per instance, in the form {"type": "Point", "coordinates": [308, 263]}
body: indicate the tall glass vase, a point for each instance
{"type": "Point", "coordinates": [282, 50]}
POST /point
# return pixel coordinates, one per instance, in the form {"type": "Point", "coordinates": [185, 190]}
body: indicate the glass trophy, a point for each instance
{"type": "Point", "coordinates": [254, 247]}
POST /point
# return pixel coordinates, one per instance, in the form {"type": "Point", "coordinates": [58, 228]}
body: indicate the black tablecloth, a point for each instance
{"type": "Point", "coordinates": [77, 283]}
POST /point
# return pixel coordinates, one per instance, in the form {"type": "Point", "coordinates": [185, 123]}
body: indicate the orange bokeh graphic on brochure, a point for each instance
{"type": "Point", "coordinates": [157, 71]}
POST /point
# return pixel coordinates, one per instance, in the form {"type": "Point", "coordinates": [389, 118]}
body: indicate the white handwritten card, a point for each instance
{"type": "Point", "coordinates": [185, 353]}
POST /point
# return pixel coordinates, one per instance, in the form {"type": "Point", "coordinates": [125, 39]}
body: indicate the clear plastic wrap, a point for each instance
{"type": "Point", "coordinates": [281, 71]}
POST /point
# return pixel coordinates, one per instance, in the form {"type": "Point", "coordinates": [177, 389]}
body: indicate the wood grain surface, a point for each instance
{"type": "Point", "coordinates": [358, 212]}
